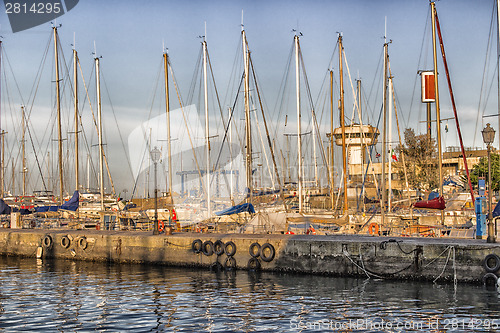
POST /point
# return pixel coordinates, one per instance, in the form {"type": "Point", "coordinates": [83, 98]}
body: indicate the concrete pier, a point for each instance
{"type": "Point", "coordinates": [432, 259]}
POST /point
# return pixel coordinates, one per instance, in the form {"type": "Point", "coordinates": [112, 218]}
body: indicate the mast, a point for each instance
{"type": "Point", "coordinates": [23, 149]}
{"type": "Point", "coordinates": [342, 123]}
{"type": "Point", "coordinates": [299, 132]}
{"type": "Point", "coordinates": [2, 132]}
{"type": "Point", "coordinates": [384, 135]}
{"type": "Point", "coordinates": [59, 129]}
{"type": "Point", "coordinates": [207, 125]}
{"type": "Point", "coordinates": [332, 181]}
{"type": "Point", "coordinates": [389, 147]}
{"type": "Point", "coordinates": [248, 128]}
{"type": "Point", "coordinates": [498, 63]}
{"type": "Point", "coordinates": [167, 109]}
{"type": "Point", "coordinates": [99, 116]}
{"type": "Point", "coordinates": [75, 94]}
{"type": "Point", "coordinates": [438, 116]}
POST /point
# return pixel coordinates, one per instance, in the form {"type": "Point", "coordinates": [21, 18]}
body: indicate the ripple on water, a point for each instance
{"type": "Point", "coordinates": [70, 296]}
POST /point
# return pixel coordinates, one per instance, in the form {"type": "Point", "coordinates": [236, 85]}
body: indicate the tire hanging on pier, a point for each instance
{"type": "Point", "coordinates": [47, 241]}
{"type": "Point", "coordinates": [267, 252]}
{"type": "Point", "coordinates": [65, 242]}
{"type": "Point", "coordinates": [230, 249]}
{"type": "Point", "coordinates": [254, 250]}
{"type": "Point", "coordinates": [219, 247]}
{"type": "Point", "coordinates": [82, 243]}
{"type": "Point", "coordinates": [491, 263]}
{"type": "Point", "coordinates": [207, 248]}
{"type": "Point", "coordinates": [196, 246]}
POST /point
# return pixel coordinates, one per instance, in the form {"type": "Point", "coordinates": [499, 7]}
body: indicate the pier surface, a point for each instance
{"type": "Point", "coordinates": [439, 259]}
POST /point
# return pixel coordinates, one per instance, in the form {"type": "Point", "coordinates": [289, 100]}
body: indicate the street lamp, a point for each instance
{"type": "Point", "coordinates": [155, 156]}
{"type": "Point", "coordinates": [488, 138]}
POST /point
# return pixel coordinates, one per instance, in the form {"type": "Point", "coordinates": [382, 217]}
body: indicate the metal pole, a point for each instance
{"type": "Point", "coordinates": [155, 225]}
{"type": "Point", "coordinates": [491, 232]}
{"type": "Point", "coordinates": [59, 130]}
{"type": "Point", "coordinates": [299, 134]}
{"type": "Point", "coordinates": [99, 119]}
{"type": "Point", "coordinates": [342, 123]}
{"type": "Point", "coordinates": [75, 87]}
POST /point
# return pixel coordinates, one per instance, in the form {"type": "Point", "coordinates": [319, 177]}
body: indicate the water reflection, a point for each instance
{"type": "Point", "coordinates": [64, 295]}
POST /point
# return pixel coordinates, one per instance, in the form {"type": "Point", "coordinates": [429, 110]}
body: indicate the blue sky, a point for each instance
{"type": "Point", "coordinates": [129, 36]}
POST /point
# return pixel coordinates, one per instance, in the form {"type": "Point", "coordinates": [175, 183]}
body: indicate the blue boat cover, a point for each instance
{"type": "Point", "coordinates": [71, 204]}
{"type": "Point", "coordinates": [433, 195]}
{"type": "Point", "coordinates": [246, 207]}
{"type": "Point", "coordinates": [496, 211]}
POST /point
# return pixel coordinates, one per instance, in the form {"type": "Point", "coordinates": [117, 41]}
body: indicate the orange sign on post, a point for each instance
{"type": "Point", "coordinates": [428, 92]}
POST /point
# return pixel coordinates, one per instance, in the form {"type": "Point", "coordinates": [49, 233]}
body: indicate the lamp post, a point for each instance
{"type": "Point", "coordinates": [155, 156]}
{"type": "Point", "coordinates": [488, 138]}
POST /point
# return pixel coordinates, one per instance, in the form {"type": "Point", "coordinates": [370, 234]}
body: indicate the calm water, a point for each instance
{"type": "Point", "coordinates": [78, 296]}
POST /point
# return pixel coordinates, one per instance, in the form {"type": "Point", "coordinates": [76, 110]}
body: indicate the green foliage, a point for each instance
{"type": "Point", "coordinates": [481, 170]}
{"type": "Point", "coordinates": [421, 160]}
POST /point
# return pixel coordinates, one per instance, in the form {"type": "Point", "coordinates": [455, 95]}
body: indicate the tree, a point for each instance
{"type": "Point", "coordinates": [421, 160]}
{"type": "Point", "coordinates": [481, 170]}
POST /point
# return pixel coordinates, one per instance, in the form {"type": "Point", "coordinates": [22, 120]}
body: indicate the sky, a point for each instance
{"type": "Point", "coordinates": [130, 36]}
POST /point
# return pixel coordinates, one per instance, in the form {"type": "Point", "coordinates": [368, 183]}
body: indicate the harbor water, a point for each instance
{"type": "Point", "coordinates": [63, 295]}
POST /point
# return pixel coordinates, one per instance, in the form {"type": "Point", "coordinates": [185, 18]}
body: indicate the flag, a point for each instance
{"type": "Point", "coordinates": [394, 157]}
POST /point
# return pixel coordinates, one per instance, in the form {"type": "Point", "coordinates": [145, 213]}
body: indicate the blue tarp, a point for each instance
{"type": "Point", "coordinates": [496, 211]}
{"type": "Point", "coordinates": [71, 204]}
{"type": "Point", "coordinates": [433, 195]}
{"type": "Point", "coordinates": [246, 207]}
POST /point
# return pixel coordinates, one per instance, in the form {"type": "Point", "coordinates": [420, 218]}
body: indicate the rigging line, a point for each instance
{"type": "Point", "coordinates": [399, 132]}
{"type": "Point", "coordinates": [194, 79]}
{"type": "Point", "coordinates": [376, 78]}
{"type": "Point", "coordinates": [234, 70]}
{"type": "Point", "coordinates": [187, 129]}
{"type": "Point", "coordinates": [226, 130]}
{"type": "Point", "coordinates": [118, 127]}
{"type": "Point", "coordinates": [267, 133]}
{"type": "Point", "coordinates": [485, 73]}
{"type": "Point", "coordinates": [282, 90]}
{"type": "Point", "coordinates": [424, 38]}
{"type": "Point", "coordinates": [218, 103]}
{"type": "Point", "coordinates": [313, 113]}
{"type": "Point", "coordinates": [36, 158]}
{"type": "Point", "coordinates": [144, 131]}
{"type": "Point", "coordinates": [85, 139]}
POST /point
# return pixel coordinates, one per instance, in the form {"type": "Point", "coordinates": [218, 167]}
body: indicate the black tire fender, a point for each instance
{"type": "Point", "coordinates": [65, 242]}
{"type": "Point", "coordinates": [254, 250]}
{"type": "Point", "coordinates": [230, 249]}
{"type": "Point", "coordinates": [491, 263]}
{"type": "Point", "coordinates": [207, 248]}
{"type": "Point", "coordinates": [47, 241]}
{"type": "Point", "coordinates": [196, 245]}
{"type": "Point", "coordinates": [267, 252]}
{"type": "Point", "coordinates": [82, 243]}
{"type": "Point", "coordinates": [219, 247]}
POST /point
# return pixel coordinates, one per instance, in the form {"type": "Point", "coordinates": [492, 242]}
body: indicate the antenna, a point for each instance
{"type": "Point", "coordinates": [74, 40]}
{"type": "Point", "coordinates": [205, 37]}
{"type": "Point", "coordinates": [95, 50]}
{"type": "Point", "coordinates": [242, 25]}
